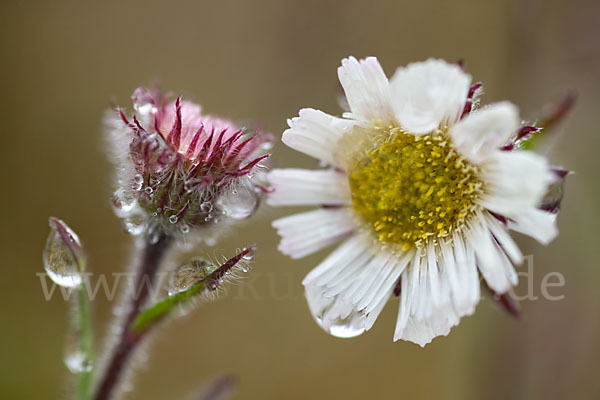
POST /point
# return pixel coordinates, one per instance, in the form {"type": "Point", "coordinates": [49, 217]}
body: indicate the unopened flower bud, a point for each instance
{"type": "Point", "coordinates": [182, 169]}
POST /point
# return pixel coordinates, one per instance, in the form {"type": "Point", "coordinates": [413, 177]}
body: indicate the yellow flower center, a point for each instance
{"type": "Point", "coordinates": [413, 188]}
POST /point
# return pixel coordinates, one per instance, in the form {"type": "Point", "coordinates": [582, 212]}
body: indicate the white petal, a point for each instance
{"type": "Point", "coordinates": [434, 275]}
{"type": "Point", "coordinates": [335, 288]}
{"type": "Point", "coordinates": [367, 90]}
{"type": "Point", "coordinates": [462, 278]}
{"type": "Point", "coordinates": [305, 233]}
{"type": "Point", "coordinates": [373, 314]}
{"type": "Point", "coordinates": [316, 134]}
{"type": "Point", "coordinates": [349, 285]}
{"type": "Point", "coordinates": [305, 187]}
{"type": "Point", "coordinates": [346, 254]}
{"type": "Point", "coordinates": [383, 286]}
{"type": "Point", "coordinates": [504, 239]}
{"type": "Point", "coordinates": [428, 94]}
{"type": "Point", "coordinates": [513, 181]}
{"type": "Point", "coordinates": [484, 131]}
{"type": "Point", "coordinates": [539, 224]}
{"type": "Point", "coordinates": [496, 268]}
{"type": "Point", "coordinates": [424, 331]}
{"type": "Point", "coordinates": [425, 314]}
{"type": "Point", "coordinates": [467, 268]}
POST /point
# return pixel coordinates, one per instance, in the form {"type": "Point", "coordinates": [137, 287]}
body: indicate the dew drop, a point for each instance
{"type": "Point", "coordinates": [147, 108]}
{"type": "Point", "coordinates": [134, 224]}
{"type": "Point", "coordinates": [268, 145]}
{"type": "Point", "coordinates": [154, 236]}
{"type": "Point", "coordinates": [138, 182]}
{"type": "Point", "coordinates": [250, 255]}
{"type": "Point", "coordinates": [75, 359]}
{"type": "Point", "coordinates": [239, 204]}
{"type": "Point", "coordinates": [212, 285]}
{"type": "Point", "coordinates": [59, 261]}
{"type": "Point", "coordinates": [148, 190]}
{"type": "Point", "coordinates": [190, 185]}
{"type": "Point", "coordinates": [124, 202]}
{"type": "Point", "coordinates": [348, 327]}
{"type": "Point", "coordinates": [173, 219]}
{"type": "Point", "coordinates": [206, 207]}
{"type": "Point", "coordinates": [189, 274]}
{"type": "Point", "coordinates": [345, 329]}
{"type": "Point", "coordinates": [185, 228]}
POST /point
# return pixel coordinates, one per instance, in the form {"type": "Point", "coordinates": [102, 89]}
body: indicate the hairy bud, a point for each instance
{"type": "Point", "coordinates": [181, 169]}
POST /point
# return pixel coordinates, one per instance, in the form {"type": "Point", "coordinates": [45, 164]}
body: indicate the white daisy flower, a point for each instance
{"type": "Point", "coordinates": [420, 190]}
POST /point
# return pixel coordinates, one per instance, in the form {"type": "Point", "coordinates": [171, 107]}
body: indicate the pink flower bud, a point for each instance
{"type": "Point", "coordinates": [180, 168]}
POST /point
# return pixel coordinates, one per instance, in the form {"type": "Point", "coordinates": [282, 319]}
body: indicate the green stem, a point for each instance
{"type": "Point", "coordinates": [85, 376]}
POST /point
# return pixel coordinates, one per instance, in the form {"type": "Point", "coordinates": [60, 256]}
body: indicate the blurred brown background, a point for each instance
{"type": "Point", "coordinates": [62, 63]}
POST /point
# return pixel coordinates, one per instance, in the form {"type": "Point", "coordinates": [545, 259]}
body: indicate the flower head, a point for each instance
{"type": "Point", "coordinates": [422, 188]}
{"type": "Point", "coordinates": [180, 168]}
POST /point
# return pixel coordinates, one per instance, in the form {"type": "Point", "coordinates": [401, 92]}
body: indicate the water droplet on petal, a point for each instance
{"type": "Point", "coordinates": [346, 329]}
{"type": "Point", "coordinates": [62, 255]}
{"type": "Point", "coordinates": [350, 326]}
{"type": "Point", "coordinates": [189, 274]}
{"type": "Point", "coordinates": [333, 314]}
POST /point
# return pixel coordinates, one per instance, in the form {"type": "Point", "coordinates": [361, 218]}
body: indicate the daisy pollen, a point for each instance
{"type": "Point", "coordinates": [414, 188]}
{"type": "Point", "coordinates": [421, 187]}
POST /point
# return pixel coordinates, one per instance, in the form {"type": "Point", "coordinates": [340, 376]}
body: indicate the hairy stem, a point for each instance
{"type": "Point", "coordinates": [149, 263]}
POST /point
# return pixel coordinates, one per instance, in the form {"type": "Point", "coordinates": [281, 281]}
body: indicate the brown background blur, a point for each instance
{"type": "Point", "coordinates": [64, 61]}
